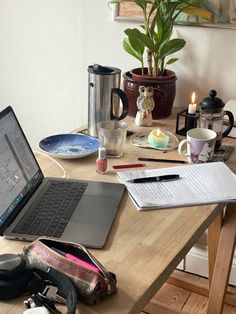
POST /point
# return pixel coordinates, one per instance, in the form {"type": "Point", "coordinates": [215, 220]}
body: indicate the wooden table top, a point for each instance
{"type": "Point", "coordinates": [143, 247]}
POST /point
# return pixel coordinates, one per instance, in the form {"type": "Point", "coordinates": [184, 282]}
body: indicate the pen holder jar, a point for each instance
{"type": "Point", "coordinates": [186, 121]}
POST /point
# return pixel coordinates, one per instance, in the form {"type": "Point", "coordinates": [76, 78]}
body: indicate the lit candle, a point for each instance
{"type": "Point", "coordinates": [193, 106]}
{"type": "Point", "coordinates": [157, 138]}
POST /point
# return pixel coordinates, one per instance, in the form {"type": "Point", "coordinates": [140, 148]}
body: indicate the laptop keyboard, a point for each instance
{"type": "Point", "coordinates": [51, 213]}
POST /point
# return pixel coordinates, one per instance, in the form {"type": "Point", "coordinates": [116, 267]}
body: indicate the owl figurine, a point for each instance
{"type": "Point", "coordinates": [145, 105]}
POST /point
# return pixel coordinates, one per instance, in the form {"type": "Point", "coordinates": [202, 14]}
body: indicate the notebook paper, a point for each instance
{"type": "Point", "coordinates": [206, 183]}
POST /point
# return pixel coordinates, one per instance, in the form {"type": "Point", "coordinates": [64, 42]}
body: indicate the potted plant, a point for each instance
{"type": "Point", "coordinates": [154, 38]}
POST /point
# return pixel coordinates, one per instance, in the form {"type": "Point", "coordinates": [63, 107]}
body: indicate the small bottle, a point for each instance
{"type": "Point", "coordinates": [101, 162]}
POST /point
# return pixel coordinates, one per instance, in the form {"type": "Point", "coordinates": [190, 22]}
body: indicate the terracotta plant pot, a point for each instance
{"type": "Point", "coordinates": [164, 91]}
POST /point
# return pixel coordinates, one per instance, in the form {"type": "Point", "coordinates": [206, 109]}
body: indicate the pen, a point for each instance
{"type": "Point", "coordinates": [128, 166]}
{"type": "Point", "coordinates": [168, 177]}
{"type": "Point", "coordinates": [163, 160]}
{"type": "Point", "coordinates": [77, 260]}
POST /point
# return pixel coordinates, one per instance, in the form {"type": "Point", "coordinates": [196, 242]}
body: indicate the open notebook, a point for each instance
{"type": "Point", "coordinates": [206, 183]}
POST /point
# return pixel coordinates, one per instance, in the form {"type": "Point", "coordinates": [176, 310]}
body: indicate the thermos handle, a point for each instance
{"type": "Point", "coordinates": [124, 101]}
{"type": "Point", "coordinates": [230, 124]}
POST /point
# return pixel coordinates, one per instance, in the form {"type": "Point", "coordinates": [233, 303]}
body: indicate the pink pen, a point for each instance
{"type": "Point", "coordinates": [77, 260]}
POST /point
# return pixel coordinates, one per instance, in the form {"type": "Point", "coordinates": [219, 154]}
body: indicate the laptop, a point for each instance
{"type": "Point", "coordinates": [32, 205]}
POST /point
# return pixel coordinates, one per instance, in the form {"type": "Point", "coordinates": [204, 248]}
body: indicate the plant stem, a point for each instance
{"type": "Point", "coordinates": [149, 52]}
{"type": "Point", "coordinates": [142, 69]}
{"type": "Point", "coordinates": [156, 70]}
{"type": "Point", "coordinates": [149, 62]}
{"type": "Point", "coordinates": [162, 66]}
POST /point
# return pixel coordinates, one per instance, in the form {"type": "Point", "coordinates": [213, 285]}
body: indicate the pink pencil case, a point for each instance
{"type": "Point", "coordinates": [92, 280]}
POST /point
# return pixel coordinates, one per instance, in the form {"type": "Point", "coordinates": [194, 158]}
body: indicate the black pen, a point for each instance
{"type": "Point", "coordinates": [168, 177]}
{"type": "Point", "coordinates": [163, 160]}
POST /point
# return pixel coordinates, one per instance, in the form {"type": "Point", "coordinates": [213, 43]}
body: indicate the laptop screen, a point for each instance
{"type": "Point", "coordinates": [19, 171]}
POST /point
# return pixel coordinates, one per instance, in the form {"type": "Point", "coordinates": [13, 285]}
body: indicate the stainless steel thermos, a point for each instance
{"type": "Point", "coordinates": [104, 95]}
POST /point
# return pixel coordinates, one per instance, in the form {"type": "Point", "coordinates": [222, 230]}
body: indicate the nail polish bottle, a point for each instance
{"type": "Point", "coordinates": [101, 162]}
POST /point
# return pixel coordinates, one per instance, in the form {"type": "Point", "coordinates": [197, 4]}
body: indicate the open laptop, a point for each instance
{"type": "Point", "coordinates": [32, 205]}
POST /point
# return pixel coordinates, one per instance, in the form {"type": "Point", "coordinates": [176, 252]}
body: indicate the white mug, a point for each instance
{"type": "Point", "coordinates": [200, 144]}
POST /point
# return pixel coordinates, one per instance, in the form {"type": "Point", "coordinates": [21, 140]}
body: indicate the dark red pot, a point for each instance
{"type": "Point", "coordinates": [164, 91]}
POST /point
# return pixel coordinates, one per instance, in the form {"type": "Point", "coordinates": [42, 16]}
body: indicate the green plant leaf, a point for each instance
{"type": "Point", "coordinates": [164, 23]}
{"type": "Point", "coordinates": [128, 48]}
{"type": "Point", "coordinates": [136, 44]}
{"type": "Point", "coordinates": [172, 46]}
{"type": "Point", "coordinates": [172, 60]}
{"type": "Point", "coordinates": [144, 39]}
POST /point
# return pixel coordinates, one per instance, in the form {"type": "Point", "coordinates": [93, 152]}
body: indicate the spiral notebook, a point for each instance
{"type": "Point", "coordinates": [199, 184]}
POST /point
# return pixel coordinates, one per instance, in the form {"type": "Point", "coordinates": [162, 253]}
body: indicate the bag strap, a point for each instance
{"type": "Point", "coordinates": [63, 284]}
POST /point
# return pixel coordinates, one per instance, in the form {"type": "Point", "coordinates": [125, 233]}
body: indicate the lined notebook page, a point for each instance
{"type": "Point", "coordinates": [199, 184]}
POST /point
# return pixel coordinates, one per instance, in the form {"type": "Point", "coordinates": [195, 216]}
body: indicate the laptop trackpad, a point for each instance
{"type": "Point", "coordinates": [95, 210]}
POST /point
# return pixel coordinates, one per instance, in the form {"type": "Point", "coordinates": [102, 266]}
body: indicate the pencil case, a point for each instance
{"type": "Point", "coordinates": [92, 281]}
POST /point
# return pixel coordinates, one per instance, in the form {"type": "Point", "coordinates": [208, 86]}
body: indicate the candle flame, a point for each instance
{"type": "Point", "coordinates": [193, 97]}
{"type": "Point", "coordinates": [158, 132]}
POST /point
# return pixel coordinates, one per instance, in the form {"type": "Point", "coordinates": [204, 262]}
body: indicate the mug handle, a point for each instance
{"type": "Point", "coordinates": [231, 123]}
{"type": "Point", "coordinates": [124, 101]}
{"type": "Point", "coordinates": [181, 144]}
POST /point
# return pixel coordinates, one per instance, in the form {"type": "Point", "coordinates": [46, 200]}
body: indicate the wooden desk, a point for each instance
{"type": "Point", "coordinates": [143, 248]}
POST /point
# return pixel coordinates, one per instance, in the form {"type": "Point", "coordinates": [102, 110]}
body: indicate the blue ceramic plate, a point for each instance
{"type": "Point", "coordinates": [69, 145]}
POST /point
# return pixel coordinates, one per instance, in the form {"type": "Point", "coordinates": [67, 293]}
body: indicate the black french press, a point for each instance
{"type": "Point", "coordinates": [212, 116]}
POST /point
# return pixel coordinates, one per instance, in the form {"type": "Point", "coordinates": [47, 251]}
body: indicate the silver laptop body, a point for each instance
{"type": "Point", "coordinates": [22, 186]}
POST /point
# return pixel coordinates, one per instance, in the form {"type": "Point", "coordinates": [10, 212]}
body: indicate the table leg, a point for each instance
{"type": "Point", "coordinates": [201, 286]}
{"type": "Point", "coordinates": [223, 263]}
{"type": "Point", "coordinates": [213, 242]}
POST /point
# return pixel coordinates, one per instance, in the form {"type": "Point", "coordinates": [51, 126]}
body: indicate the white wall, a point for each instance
{"type": "Point", "coordinates": [47, 45]}
{"type": "Point", "coordinates": [39, 64]}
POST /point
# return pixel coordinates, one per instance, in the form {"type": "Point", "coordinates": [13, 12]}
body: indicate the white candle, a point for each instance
{"type": "Point", "coordinates": [193, 106]}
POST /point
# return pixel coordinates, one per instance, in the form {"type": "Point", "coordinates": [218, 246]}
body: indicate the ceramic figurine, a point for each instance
{"type": "Point", "coordinates": [145, 105]}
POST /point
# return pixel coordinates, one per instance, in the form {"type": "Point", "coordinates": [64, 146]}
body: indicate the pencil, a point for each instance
{"type": "Point", "coordinates": [128, 166]}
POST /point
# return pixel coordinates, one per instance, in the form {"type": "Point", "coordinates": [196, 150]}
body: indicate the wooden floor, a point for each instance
{"type": "Point", "coordinates": [181, 301]}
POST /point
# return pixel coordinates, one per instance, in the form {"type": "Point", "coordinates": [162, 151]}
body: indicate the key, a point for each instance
{"type": "Point", "coordinates": [44, 287]}
{"type": "Point", "coordinates": [51, 293]}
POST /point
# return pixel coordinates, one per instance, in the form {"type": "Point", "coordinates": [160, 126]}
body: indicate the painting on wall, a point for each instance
{"type": "Point", "coordinates": [224, 14]}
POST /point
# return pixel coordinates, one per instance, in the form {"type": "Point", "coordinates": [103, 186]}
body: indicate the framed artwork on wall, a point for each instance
{"type": "Point", "coordinates": [224, 14]}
